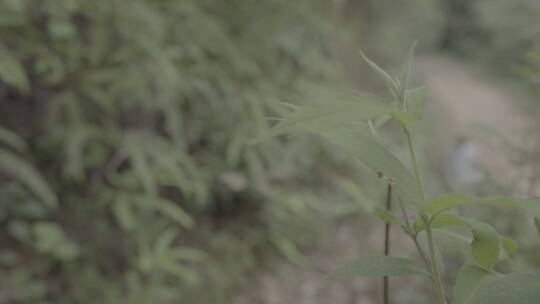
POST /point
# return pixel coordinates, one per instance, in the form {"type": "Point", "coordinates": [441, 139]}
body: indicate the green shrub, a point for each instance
{"type": "Point", "coordinates": [352, 122]}
{"type": "Point", "coordinates": [125, 165]}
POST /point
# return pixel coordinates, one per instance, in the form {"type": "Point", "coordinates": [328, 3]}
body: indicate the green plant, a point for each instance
{"type": "Point", "coordinates": [352, 121]}
{"type": "Point", "coordinates": [134, 182]}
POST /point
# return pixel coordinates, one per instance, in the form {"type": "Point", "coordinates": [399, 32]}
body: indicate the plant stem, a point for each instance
{"type": "Point", "coordinates": [427, 222]}
{"type": "Point", "coordinates": [414, 160]}
{"type": "Point", "coordinates": [434, 266]}
{"type": "Point", "coordinates": [386, 280]}
{"type": "Point", "coordinates": [410, 232]}
{"type": "Point", "coordinates": [422, 254]}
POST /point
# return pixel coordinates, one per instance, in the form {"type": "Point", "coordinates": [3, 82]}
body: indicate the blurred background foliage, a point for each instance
{"type": "Point", "coordinates": [126, 165]}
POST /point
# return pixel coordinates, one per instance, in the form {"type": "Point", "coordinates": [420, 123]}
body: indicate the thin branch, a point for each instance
{"type": "Point", "coordinates": [386, 280]}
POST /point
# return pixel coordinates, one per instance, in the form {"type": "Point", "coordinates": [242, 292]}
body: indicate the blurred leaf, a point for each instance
{"type": "Point", "coordinates": [12, 71]}
{"type": "Point", "coordinates": [404, 119]}
{"type": "Point", "coordinates": [380, 266]}
{"type": "Point", "coordinates": [140, 163]}
{"type": "Point", "coordinates": [289, 250]}
{"type": "Point", "coordinates": [123, 211]}
{"type": "Point", "coordinates": [19, 169]}
{"type": "Point", "coordinates": [50, 239]}
{"type": "Point", "coordinates": [174, 211]}
{"type": "Point", "coordinates": [379, 159]}
{"type": "Point", "coordinates": [13, 140]}
{"type": "Point", "coordinates": [506, 289]}
{"type": "Point", "coordinates": [336, 111]}
{"type": "Point", "coordinates": [385, 215]}
{"type": "Point", "coordinates": [449, 201]}
{"type": "Point", "coordinates": [468, 282]}
{"type": "Point", "coordinates": [485, 245]}
{"type": "Point", "coordinates": [407, 66]}
{"type": "Point", "coordinates": [382, 73]}
{"type": "Point", "coordinates": [415, 102]}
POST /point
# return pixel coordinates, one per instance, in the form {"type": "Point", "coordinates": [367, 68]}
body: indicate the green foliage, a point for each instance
{"type": "Point", "coordinates": [468, 282]}
{"type": "Point", "coordinates": [476, 283]}
{"type": "Point", "coordinates": [134, 118]}
{"type": "Point", "coordinates": [477, 286]}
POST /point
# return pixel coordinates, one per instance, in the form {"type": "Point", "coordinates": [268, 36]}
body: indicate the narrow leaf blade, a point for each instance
{"type": "Point", "coordinates": [379, 159]}
{"type": "Point", "coordinates": [21, 170]}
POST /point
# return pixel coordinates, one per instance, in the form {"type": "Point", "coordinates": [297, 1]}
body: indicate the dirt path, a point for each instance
{"type": "Point", "coordinates": [465, 100]}
{"type": "Point", "coordinates": [481, 125]}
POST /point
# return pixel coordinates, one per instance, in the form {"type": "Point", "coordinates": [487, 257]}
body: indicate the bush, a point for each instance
{"type": "Point", "coordinates": [126, 170]}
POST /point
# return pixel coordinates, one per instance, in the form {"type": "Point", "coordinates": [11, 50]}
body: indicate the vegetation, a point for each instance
{"type": "Point", "coordinates": [126, 174]}
{"type": "Point", "coordinates": [352, 122]}
{"type": "Point", "coordinates": [128, 171]}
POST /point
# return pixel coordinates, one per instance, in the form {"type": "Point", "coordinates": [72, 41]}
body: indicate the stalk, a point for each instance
{"type": "Point", "coordinates": [386, 280]}
{"type": "Point", "coordinates": [410, 232]}
{"type": "Point", "coordinates": [414, 160]}
{"type": "Point", "coordinates": [434, 266]}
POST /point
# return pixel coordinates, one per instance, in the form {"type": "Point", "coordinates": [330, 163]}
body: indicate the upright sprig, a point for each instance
{"type": "Point", "coordinates": [350, 121]}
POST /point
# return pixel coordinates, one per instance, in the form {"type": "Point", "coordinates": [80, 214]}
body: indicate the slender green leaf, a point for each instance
{"type": "Point", "coordinates": [415, 102]}
{"type": "Point", "coordinates": [174, 211]}
{"type": "Point", "coordinates": [12, 71]}
{"type": "Point", "coordinates": [12, 139]}
{"type": "Point", "coordinates": [380, 266]}
{"type": "Point", "coordinates": [22, 171]}
{"type": "Point", "coordinates": [407, 67]}
{"type": "Point", "coordinates": [448, 201]}
{"type": "Point", "coordinates": [444, 202]}
{"type": "Point", "coordinates": [139, 160]}
{"type": "Point", "coordinates": [335, 111]}
{"type": "Point", "coordinates": [379, 159]}
{"type": "Point", "coordinates": [382, 73]}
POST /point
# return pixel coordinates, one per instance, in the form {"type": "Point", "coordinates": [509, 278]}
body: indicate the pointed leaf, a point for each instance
{"type": "Point", "coordinates": [21, 170]}
{"type": "Point", "coordinates": [415, 102]}
{"type": "Point", "coordinates": [407, 67]}
{"type": "Point", "coordinates": [139, 160]}
{"type": "Point", "coordinates": [12, 71]}
{"type": "Point", "coordinates": [448, 201]}
{"type": "Point", "coordinates": [335, 111]}
{"type": "Point", "coordinates": [379, 159]}
{"type": "Point", "coordinates": [382, 73]}
{"type": "Point", "coordinates": [175, 212]}
{"type": "Point", "coordinates": [12, 139]}
{"type": "Point", "coordinates": [380, 266]}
